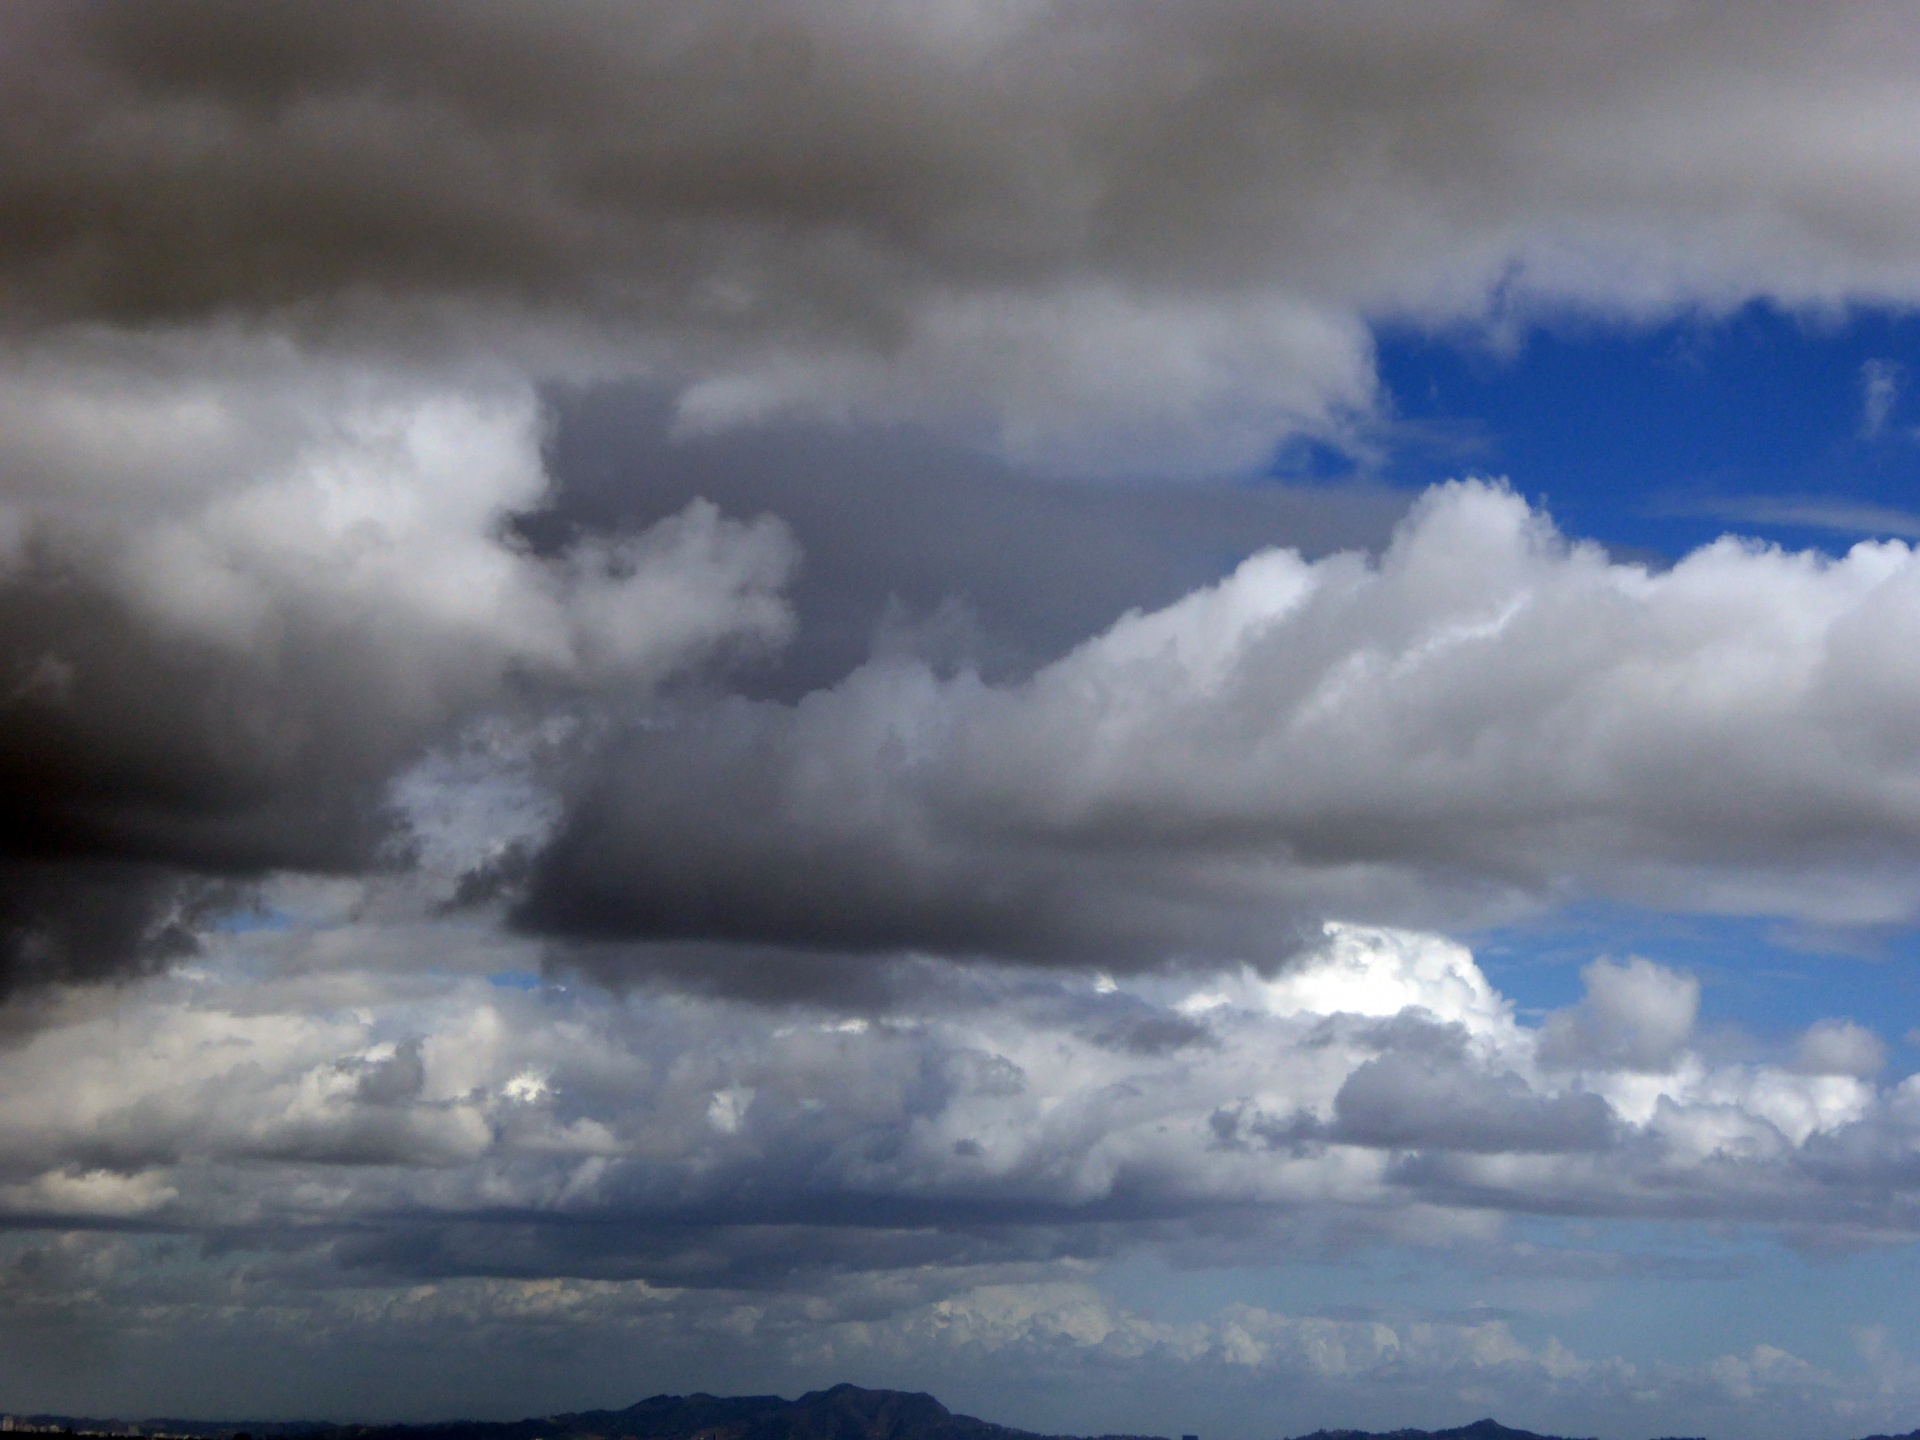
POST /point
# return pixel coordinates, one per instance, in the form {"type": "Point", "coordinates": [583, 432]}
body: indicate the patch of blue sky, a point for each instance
{"type": "Point", "coordinates": [1803, 430]}
{"type": "Point", "coordinates": [1760, 977]}
{"type": "Point", "coordinates": [251, 920]}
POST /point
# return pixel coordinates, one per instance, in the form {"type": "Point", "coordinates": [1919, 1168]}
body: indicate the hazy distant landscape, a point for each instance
{"type": "Point", "coordinates": [845, 1412]}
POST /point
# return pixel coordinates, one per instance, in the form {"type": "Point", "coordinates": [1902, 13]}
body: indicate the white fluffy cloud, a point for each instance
{"type": "Point", "coordinates": [1484, 718]}
{"type": "Point", "coordinates": [1636, 1016]}
{"type": "Point", "coordinates": [1840, 1047]}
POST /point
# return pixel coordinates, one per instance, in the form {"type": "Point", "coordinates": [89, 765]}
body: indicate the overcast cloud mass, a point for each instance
{"type": "Point", "coordinates": [667, 718]}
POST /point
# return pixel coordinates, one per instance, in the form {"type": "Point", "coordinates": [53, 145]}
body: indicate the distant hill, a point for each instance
{"type": "Point", "coordinates": [846, 1412]}
{"type": "Point", "coordinates": [1478, 1430]}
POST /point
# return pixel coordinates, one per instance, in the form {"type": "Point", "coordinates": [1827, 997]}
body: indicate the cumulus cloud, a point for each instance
{"type": "Point", "coordinates": [1484, 718]}
{"type": "Point", "coordinates": [1635, 1016]}
{"type": "Point", "coordinates": [376, 1159]}
{"type": "Point", "coordinates": [1381, 1076]}
{"type": "Point", "coordinates": [1840, 1047]}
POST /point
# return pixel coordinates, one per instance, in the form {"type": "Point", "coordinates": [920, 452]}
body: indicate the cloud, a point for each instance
{"type": "Point", "coordinates": [444, 1164]}
{"type": "Point", "coordinates": [456, 1123]}
{"type": "Point", "coordinates": [1484, 719]}
{"type": "Point", "coordinates": [340, 618]}
{"type": "Point", "coordinates": [1424, 1103]}
{"type": "Point", "coordinates": [1879, 391]}
{"type": "Point", "coordinates": [919, 544]}
{"type": "Point", "coordinates": [1017, 1349]}
{"type": "Point", "coordinates": [1817, 512]}
{"type": "Point", "coordinates": [284, 290]}
{"type": "Point", "coordinates": [1105, 238]}
{"type": "Point", "coordinates": [97, 918]}
{"type": "Point", "coordinates": [1351, 1367]}
{"type": "Point", "coordinates": [1635, 1016]}
{"type": "Point", "coordinates": [1840, 1047]}
{"type": "Point", "coordinates": [251, 586]}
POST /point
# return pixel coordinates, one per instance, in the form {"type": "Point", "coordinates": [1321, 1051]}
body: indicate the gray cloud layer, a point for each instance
{"type": "Point", "coordinates": [1106, 235]}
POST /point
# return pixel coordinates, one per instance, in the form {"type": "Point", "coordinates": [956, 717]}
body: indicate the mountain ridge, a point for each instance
{"type": "Point", "coordinates": [842, 1412]}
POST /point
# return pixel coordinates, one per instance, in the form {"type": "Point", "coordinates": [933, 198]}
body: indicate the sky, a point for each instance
{"type": "Point", "coordinates": [1171, 719]}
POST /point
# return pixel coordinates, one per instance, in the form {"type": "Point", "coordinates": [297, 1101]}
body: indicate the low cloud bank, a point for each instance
{"type": "Point", "coordinates": [1381, 1080]}
{"type": "Point", "coordinates": [373, 1160]}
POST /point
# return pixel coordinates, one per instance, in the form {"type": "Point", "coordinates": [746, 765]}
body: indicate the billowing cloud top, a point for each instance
{"type": "Point", "coordinates": [1483, 717]}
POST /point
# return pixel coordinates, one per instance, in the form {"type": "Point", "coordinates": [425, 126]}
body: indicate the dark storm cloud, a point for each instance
{"type": "Point", "coordinates": [162, 749]}
{"type": "Point", "coordinates": [241, 591]}
{"type": "Point", "coordinates": [1106, 235]}
{"type": "Point", "coordinates": [69, 920]}
{"type": "Point", "coordinates": [135, 769]}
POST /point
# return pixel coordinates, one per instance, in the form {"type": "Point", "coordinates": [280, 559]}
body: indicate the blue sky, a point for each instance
{"type": "Point", "coordinates": [1795, 428]}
